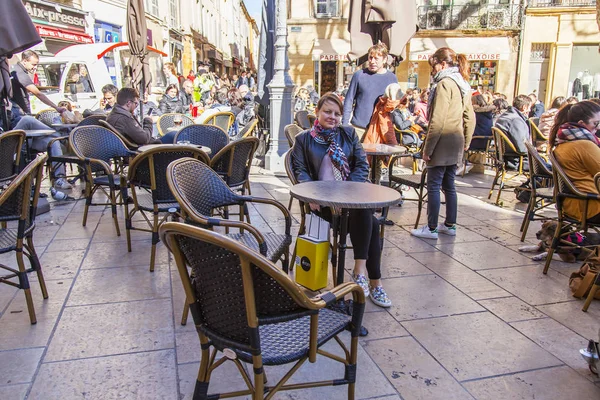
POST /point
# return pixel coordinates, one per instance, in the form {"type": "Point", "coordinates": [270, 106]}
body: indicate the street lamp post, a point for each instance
{"type": "Point", "coordinates": [281, 88]}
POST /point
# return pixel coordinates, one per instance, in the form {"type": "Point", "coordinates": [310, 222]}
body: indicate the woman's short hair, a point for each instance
{"type": "Point", "coordinates": [332, 97]}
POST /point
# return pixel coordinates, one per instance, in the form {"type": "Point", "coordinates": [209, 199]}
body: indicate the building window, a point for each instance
{"type": "Point", "coordinates": [174, 13]}
{"type": "Point", "coordinates": [152, 7]}
{"type": "Point", "coordinates": [327, 8]}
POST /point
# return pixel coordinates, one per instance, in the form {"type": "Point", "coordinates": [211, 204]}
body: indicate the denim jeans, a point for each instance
{"type": "Point", "coordinates": [441, 177]}
{"type": "Point", "coordinates": [41, 143]}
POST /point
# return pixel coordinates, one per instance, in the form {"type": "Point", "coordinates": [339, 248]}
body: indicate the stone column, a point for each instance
{"type": "Point", "coordinates": [281, 89]}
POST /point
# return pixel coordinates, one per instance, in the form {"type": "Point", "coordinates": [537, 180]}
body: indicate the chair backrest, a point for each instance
{"type": "Point", "coordinates": [93, 119]}
{"type": "Point", "coordinates": [47, 116]}
{"type": "Point", "coordinates": [222, 119]}
{"type": "Point", "coordinates": [166, 121]}
{"type": "Point", "coordinates": [99, 143]}
{"type": "Point", "coordinates": [16, 202]}
{"type": "Point", "coordinates": [289, 168]}
{"type": "Point", "coordinates": [302, 120]}
{"type": "Point", "coordinates": [103, 123]}
{"type": "Point", "coordinates": [562, 183]}
{"type": "Point", "coordinates": [535, 120]}
{"type": "Point", "coordinates": [537, 165]}
{"type": "Point", "coordinates": [11, 143]}
{"type": "Point", "coordinates": [250, 129]}
{"type": "Point", "coordinates": [149, 168]}
{"type": "Point", "coordinates": [233, 162]}
{"type": "Point", "coordinates": [235, 287]}
{"type": "Point", "coordinates": [502, 143]}
{"type": "Point", "coordinates": [291, 131]}
{"type": "Point", "coordinates": [311, 119]}
{"type": "Point", "coordinates": [536, 134]}
{"type": "Point", "coordinates": [210, 136]}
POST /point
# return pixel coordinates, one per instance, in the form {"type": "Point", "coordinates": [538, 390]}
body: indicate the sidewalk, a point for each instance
{"type": "Point", "coordinates": [472, 317]}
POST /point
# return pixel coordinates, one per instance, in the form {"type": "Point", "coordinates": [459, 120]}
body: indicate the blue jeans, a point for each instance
{"type": "Point", "coordinates": [441, 177]}
{"type": "Point", "coordinates": [41, 143]}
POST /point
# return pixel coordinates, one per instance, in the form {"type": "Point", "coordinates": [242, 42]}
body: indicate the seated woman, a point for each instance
{"type": "Point", "coordinates": [403, 120]}
{"type": "Point", "coordinates": [422, 109]}
{"type": "Point", "coordinates": [170, 102]}
{"type": "Point", "coordinates": [547, 118]}
{"type": "Point", "coordinates": [577, 151]}
{"type": "Point", "coordinates": [327, 152]}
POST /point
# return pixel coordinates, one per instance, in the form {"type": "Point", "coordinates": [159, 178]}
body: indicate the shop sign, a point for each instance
{"type": "Point", "coordinates": [333, 57]}
{"type": "Point", "coordinates": [54, 15]}
{"type": "Point", "coordinates": [61, 34]}
{"type": "Point", "coordinates": [470, 57]}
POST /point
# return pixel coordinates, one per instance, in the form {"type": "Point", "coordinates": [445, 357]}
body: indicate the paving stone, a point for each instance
{"type": "Point", "coordinates": [484, 255]}
{"type": "Point", "coordinates": [413, 372]}
{"type": "Point", "coordinates": [188, 345]}
{"type": "Point", "coordinates": [469, 346]}
{"type": "Point", "coordinates": [426, 296]}
{"type": "Point", "coordinates": [90, 331]}
{"type": "Point", "coordinates": [14, 392]}
{"type": "Point", "coordinates": [18, 366]}
{"type": "Point", "coordinates": [68, 245]}
{"type": "Point", "coordinates": [511, 309]}
{"type": "Point", "coordinates": [570, 315]}
{"type": "Point", "coordinates": [74, 230]}
{"type": "Point", "coordinates": [382, 325]}
{"type": "Point", "coordinates": [6, 295]}
{"type": "Point", "coordinates": [105, 255]}
{"type": "Point", "coordinates": [406, 242]}
{"type": "Point", "coordinates": [549, 384]}
{"type": "Point", "coordinates": [60, 264]}
{"type": "Point", "coordinates": [148, 376]}
{"type": "Point", "coordinates": [395, 263]}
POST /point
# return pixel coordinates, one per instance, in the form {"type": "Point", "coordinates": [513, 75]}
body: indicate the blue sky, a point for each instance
{"type": "Point", "coordinates": [254, 8]}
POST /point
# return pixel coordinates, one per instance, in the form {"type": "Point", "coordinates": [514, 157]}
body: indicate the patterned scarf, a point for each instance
{"type": "Point", "coordinates": [570, 132]}
{"type": "Point", "coordinates": [341, 169]}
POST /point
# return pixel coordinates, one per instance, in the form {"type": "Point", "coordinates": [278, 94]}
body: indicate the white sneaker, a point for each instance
{"type": "Point", "coordinates": [425, 233]}
{"type": "Point", "coordinates": [61, 183]}
{"type": "Point", "coordinates": [450, 231]}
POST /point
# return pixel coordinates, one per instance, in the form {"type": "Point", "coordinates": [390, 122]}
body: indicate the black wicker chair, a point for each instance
{"type": "Point", "coordinates": [291, 131]}
{"type": "Point", "coordinates": [564, 189]}
{"type": "Point", "coordinates": [167, 121]}
{"type": "Point", "coordinates": [11, 144]}
{"type": "Point", "coordinates": [93, 119]}
{"type": "Point", "coordinates": [416, 181]}
{"type": "Point", "coordinates": [210, 136]}
{"type": "Point", "coordinates": [47, 116]}
{"type": "Point", "coordinates": [245, 307]}
{"type": "Point", "coordinates": [223, 120]}
{"type": "Point", "coordinates": [503, 145]}
{"type": "Point", "coordinates": [19, 203]}
{"type": "Point", "coordinates": [542, 189]}
{"type": "Point", "coordinates": [301, 119]}
{"type": "Point", "coordinates": [130, 145]}
{"type": "Point", "coordinates": [149, 189]}
{"type": "Point", "coordinates": [98, 147]}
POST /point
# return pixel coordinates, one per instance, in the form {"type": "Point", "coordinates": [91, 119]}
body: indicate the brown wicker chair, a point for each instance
{"type": "Point", "coordinates": [501, 144]}
{"type": "Point", "coordinates": [98, 147]}
{"type": "Point", "coordinates": [247, 308]}
{"type": "Point", "coordinates": [47, 116]}
{"type": "Point", "coordinates": [11, 144]}
{"type": "Point", "coordinates": [223, 120]}
{"type": "Point", "coordinates": [563, 189]}
{"type": "Point", "coordinates": [149, 189]}
{"type": "Point", "coordinates": [537, 137]}
{"type": "Point", "coordinates": [291, 131]}
{"type": "Point", "coordinates": [250, 129]}
{"type": "Point", "coordinates": [167, 121]}
{"type": "Point", "coordinates": [542, 190]}
{"type": "Point", "coordinates": [18, 204]}
{"type": "Point", "coordinates": [233, 163]}
{"type": "Point", "coordinates": [210, 136]}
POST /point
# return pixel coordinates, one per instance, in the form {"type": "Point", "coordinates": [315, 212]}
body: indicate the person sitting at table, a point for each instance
{"type": "Point", "coordinates": [170, 102]}
{"type": "Point", "coordinates": [122, 119]}
{"type": "Point", "coordinates": [329, 151]}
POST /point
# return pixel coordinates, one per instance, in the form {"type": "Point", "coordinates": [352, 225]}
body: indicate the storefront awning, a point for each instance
{"type": "Point", "coordinates": [476, 49]}
{"type": "Point", "coordinates": [330, 50]}
{"type": "Point", "coordinates": [63, 34]}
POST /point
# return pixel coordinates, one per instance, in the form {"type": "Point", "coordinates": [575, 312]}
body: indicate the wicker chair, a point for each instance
{"type": "Point", "coordinates": [564, 189]}
{"type": "Point", "coordinates": [130, 145]}
{"type": "Point", "coordinates": [410, 140]}
{"type": "Point", "coordinates": [98, 147]}
{"type": "Point", "coordinates": [223, 120]}
{"type": "Point", "coordinates": [18, 204]}
{"type": "Point", "coordinates": [149, 189]}
{"type": "Point", "coordinates": [596, 286]}
{"type": "Point", "coordinates": [47, 116]}
{"type": "Point", "coordinates": [484, 152]}
{"type": "Point", "coordinates": [537, 137]}
{"type": "Point", "coordinates": [247, 308]}
{"type": "Point", "coordinates": [250, 129]}
{"type": "Point", "coordinates": [93, 119]}
{"type": "Point", "coordinates": [301, 119]}
{"type": "Point", "coordinates": [11, 144]}
{"type": "Point", "coordinates": [416, 181]}
{"type": "Point", "coordinates": [311, 119]}
{"type": "Point", "coordinates": [542, 196]}
{"type": "Point", "coordinates": [210, 136]}
{"type": "Point", "coordinates": [291, 131]}
{"type": "Point", "coordinates": [167, 121]}
{"type": "Point", "coordinates": [501, 144]}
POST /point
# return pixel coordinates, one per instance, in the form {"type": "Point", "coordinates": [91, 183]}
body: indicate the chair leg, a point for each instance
{"type": "Point", "coordinates": [24, 282]}
{"type": "Point", "coordinates": [226, 216]}
{"type": "Point", "coordinates": [494, 183]}
{"type": "Point", "coordinates": [590, 297]}
{"type": "Point", "coordinates": [184, 315]}
{"type": "Point", "coordinates": [247, 212]}
{"type": "Point", "coordinates": [155, 240]}
{"type": "Point", "coordinates": [290, 203]}
{"type": "Point", "coordinates": [201, 389]}
{"type": "Point", "coordinates": [419, 207]}
{"type": "Point", "coordinates": [259, 379]}
{"type": "Point", "coordinates": [500, 187]}
{"type": "Point", "coordinates": [35, 263]}
{"type": "Point", "coordinates": [555, 242]}
{"type": "Point", "coordinates": [285, 263]}
{"type": "Point", "coordinates": [113, 207]}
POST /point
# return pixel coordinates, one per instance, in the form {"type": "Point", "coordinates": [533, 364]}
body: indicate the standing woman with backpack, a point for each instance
{"type": "Point", "coordinates": [451, 125]}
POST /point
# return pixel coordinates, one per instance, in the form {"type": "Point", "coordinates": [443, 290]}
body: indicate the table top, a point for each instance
{"type": "Point", "coordinates": [345, 194]}
{"type": "Point", "coordinates": [31, 133]}
{"type": "Point", "coordinates": [382, 149]}
{"type": "Point", "coordinates": [146, 147]}
{"type": "Point", "coordinates": [174, 128]}
{"type": "Point", "coordinates": [64, 126]}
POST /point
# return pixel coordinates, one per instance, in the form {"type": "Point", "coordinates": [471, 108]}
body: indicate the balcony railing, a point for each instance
{"type": "Point", "coordinates": [471, 16]}
{"type": "Point", "coordinates": [561, 3]}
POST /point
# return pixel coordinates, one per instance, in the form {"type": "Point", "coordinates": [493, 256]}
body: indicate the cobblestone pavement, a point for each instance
{"type": "Point", "coordinates": [472, 317]}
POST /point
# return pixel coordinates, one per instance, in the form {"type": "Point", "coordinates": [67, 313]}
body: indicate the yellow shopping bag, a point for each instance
{"type": "Point", "coordinates": [312, 251]}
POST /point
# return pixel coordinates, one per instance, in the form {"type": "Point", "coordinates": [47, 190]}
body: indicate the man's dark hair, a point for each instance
{"type": "Point", "coordinates": [110, 88]}
{"type": "Point", "coordinates": [221, 98]}
{"type": "Point", "coordinates": [127, 94]}
{"type": "Point", "coordinates": [27, 54]}
{"type": "Point", "coordinates": [521, 102]}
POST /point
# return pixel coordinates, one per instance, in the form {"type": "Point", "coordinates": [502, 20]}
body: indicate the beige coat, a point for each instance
{"type": "Point", "coordinates": [451, 125]}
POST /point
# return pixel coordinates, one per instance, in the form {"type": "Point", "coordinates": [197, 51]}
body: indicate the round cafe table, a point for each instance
{"type": "Point", "coordinates": [64, 127]}
{"type": "Point", "coordinates": [146, 147]}
{"type": "Point", "coordinates": [375, 151]}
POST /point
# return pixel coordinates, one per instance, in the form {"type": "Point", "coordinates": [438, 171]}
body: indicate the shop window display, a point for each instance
{"type": "Point", "coordinates": [483, 75]}
{"type": "Point", "coordinates": [584, 78]}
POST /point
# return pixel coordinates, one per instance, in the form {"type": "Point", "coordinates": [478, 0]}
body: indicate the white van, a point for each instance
{"type": "Point", "coordinates": [78, 73]}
